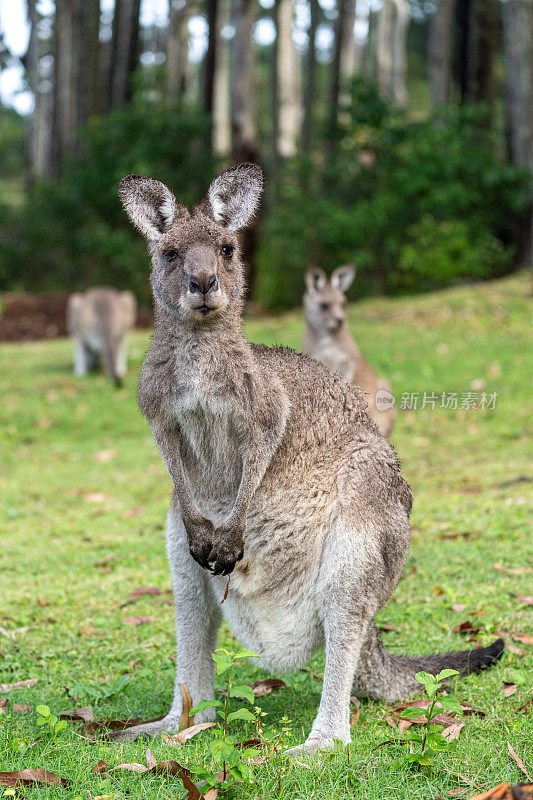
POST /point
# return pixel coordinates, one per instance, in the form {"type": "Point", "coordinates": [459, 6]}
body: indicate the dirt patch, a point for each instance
{"type": "Point", "coordinates": [24, 317]}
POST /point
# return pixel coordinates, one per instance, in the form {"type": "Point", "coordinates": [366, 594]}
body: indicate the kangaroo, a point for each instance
{"type": "Point", "coordinates": [99, 320]}
{"type": "Point", "coordinates": [328, 340]}
{"type": "Point", "coordinates": [280, 477]}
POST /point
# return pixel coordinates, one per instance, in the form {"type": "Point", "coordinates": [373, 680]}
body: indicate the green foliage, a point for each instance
{"type": "Point", "coordinates": [226, 762]}
{"type": "Point", "coordinates": [430, 740]}
{"type": "Point", "coordinates": [11, 143]}
{"type": "Point", "coordinates": [413, 205]}
{"type": "Point", "coordinates": [49, 722]}
{"type": "Point", "coordinates": [74, 233]}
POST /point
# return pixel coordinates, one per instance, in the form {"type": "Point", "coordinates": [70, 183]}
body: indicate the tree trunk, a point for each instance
{"type": "Point", "coordinates": [384, 49]}
{"type": "Point", "coordinates": [221, 100]}
{"type": "Point", "coordinates": [211, 10]}
{"type": "Point", "coordinates": [177, 55]}
{"type": "Point", "coordinates": [335, 72]}
{"type": "Point", "coordinates": [310, 80]}
{"type": "Point", "coordinates": [124, 51]}
{"type": "Point", "coordinates": [288, 77]}
{"type": "Point", "coordinates": [399, 53]}
{"type": "Point", "coordinates": [242, 84]}
{"type": "Point", "coordinates": [32, 72]}
{"type": "Point", "coordinates": [518, 42]}
{"type": "Point", "coordinates": [64, 109]}
{"type": "Point", "coordinates": [440, 53]}
{"type": "Point", "coordinates": [488, 24]}
{"type": "Point", "coordinates": [349, 55]}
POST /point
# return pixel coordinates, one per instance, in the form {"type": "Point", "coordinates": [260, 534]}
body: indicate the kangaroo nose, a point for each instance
{"type": "Point", "coordinates": [338, 322]}
{"type": "Point", "coordinates": [203, 285]}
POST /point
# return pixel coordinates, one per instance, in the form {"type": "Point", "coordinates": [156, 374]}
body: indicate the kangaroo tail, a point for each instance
{"type": "Point", "coordinates": [384, 676]}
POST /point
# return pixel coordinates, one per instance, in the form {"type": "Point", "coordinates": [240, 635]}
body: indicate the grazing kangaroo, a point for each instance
{"type": "Point", "coordinates": [99, 320]}
{"type": "Point", "coordinates": [327, 339]}
{"type": "Point", "coordinates": [280, 477]}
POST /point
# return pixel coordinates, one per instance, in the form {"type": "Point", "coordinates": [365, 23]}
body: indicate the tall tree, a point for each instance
{"type": "Point", "coordinates": [335, 71]}
{"type": "Point", "coordinates": [384, 49]}
{"type": "Point", "coordinates": [399, 53]}
{"type": "Point", "coordinates": [124, 55]}
{"type": "Point", "coordinates": [208, 93]}
{"type": "Point", "coordinates": [391, 50]}
{"type": "Point", "coordinates": [242, 84]}
{"type": "Point", "coordinates": [440, 52]}
{"type": "Point", "coordinates": [288, 79]}
{"type": "Point", "coordinates": [179, 13]}
{"type": "Point", "coordinates": [518, 42]}
{"type": "Point", "coordinates": [221, 100]}
{"type": "Point", "coordinates": [310, 79]}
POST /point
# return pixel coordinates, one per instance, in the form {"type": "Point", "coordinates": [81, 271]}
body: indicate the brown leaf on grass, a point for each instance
{"type": "Point", "coordinates": [3, 704]}
{"type": "Point", "coordinates": [504, 791]}
{"type": "Point", "coordinates": [95, 497]}
{"type": "Point", "coordinates": [43, 603]}
{"type": "Point", "coordinates": [141, 591]}
{"type": "Point", "coordinates": [354, 718]}
{"type": "Point", "coordinates": [103, 456]}
{"type": "Point", "coordinates": [514, 649]}
{"type": "Point", "coordinates": [187, 733]}
{"type": "Point", "coordinates": [137, 620]}
{"type": "Point", "coordinates": [459, 607]}
{"type": "Point", "coordinates": [387, 627]}
{"type": "Point", "coordinates": [106, 724]}
{"type": "Point", "coordinates": [132, 767]}
{"type": "Point", "coordinates": [29, 777]}
{"type": "Point", "coordinates": [509, 689]}
{"type": "Point", "coordinates": [468, 628]}
{"type": "Point", "coordinates": [526, 599]}
{"type": "Point", "coordinates": [101, 768]}
{"type": "Point", "coordinates": [455, 535]}
{"type": "Point", "coordinates": [83, 714]}
{"type": "Point", "coordinates": [525, 638]}
{"type": "Point", "coordinates": [452, 731]}
{"type": "Point", "coordinates": [520, 764]}
{"type": "Point", "coordinates": [21, 708]}
{"type": "Point", "coordinates": [212, 794]}
{"type": "Point", "coordinates": [7, 687]}
{"type": "Point", "coordinates": [133, 512]}
{"type": "Point", "coordinates": [103, 562]}
{"type": "Point", "coordinates": [186, 721]}
{"type": "Point", "coordinates": [526, 707]}
{"type": "Point", "coordinates": [515, 571]}
{"type": "Point", "coordinates": [261, 688]}
{"type": "Point", "coordinates": [150, 760]}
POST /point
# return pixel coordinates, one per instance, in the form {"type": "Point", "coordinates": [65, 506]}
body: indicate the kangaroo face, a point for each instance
{"type": "Point", "coordinates": [324, 301]}
{"type": "Point", "coordinates": [197, 272]}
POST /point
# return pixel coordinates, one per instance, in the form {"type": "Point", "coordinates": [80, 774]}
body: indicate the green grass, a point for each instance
{"type": "Point", "coordinates": [55, 432]}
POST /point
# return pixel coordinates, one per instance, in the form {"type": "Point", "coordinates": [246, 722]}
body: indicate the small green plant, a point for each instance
{"type": "Point", "coordinates": [46, 718]}
{"type": "Point", "coordinates": [104, 692]}
{"type": "Point", "coordinates": [228, 762]}
{"type": "Point", "coordinates": [430, 740]}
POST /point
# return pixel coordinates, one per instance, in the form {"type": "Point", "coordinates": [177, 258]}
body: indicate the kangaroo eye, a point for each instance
{"type": "Point", "coordinates": [226, 250]}
{"type": "Point", "coordinates": [171, 255]}
{"type": "Point", "coordinates": [324, 306]}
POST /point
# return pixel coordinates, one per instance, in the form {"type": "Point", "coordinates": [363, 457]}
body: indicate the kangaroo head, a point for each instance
{"type": "Point", "coordinates": [324, 300]}
{"type": "Point", "coordinates": [197, 272]}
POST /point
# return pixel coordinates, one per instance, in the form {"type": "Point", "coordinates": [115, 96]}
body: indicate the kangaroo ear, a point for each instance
{"type": "Point", "coordinates": [233, 197]}
{"type": "Point", "coordinates": [342, 277]}
{"type": "Point", "coordinates": [150, 204]}
{"type": "Point", "coordinates": [315, 279]}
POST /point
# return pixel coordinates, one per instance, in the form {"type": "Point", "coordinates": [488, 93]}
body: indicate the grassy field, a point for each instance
{"type": "Point", "coordinates": [81, 481]}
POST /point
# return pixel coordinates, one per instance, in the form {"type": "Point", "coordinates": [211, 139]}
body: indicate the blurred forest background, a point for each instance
{"type": "Point", "coordinates": [396, 135]}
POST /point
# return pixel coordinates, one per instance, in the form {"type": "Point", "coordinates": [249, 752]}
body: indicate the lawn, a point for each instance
{"type": "Point", "coordinates": [83, 497]}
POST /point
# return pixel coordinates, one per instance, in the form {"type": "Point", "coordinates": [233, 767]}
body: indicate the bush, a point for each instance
{"type": "Point", "coordinates": [413, 205]}
{"type": "Point", "coordinates": [74, 234]}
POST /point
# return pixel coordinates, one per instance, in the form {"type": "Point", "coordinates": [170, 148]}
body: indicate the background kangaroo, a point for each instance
{"type": "Point", "coordinates": [99, 320]}
{"type": "Point", "coordinates": [280, 476]}
{"type": "Point", "coordinates": [327, 339]}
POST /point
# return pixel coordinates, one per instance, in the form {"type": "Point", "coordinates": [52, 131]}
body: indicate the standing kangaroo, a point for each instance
{"type": "Point", "coordinates": [99, 320]}
{"type": "Point", "coordinates": [280, 477]}
{"type": "Point", "coordinates": [327, 339]}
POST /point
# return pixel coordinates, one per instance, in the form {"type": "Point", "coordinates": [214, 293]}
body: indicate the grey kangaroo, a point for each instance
{"type": "Point", "coordinates": [328, 340]}
{"type": "Point", "coordinates": [280, 477]}
{"type": "Point", "coordinates": [98, 321]}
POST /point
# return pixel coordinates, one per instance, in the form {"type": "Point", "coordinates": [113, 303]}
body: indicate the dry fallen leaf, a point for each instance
{"type": "Point", "coordinates": [354, 718]}
{"type": "Point", "coordinates": [260, 688]}
{"type": "Point", "coordinates": [525, 638]}
{"type": "Point", "coordinates": [83, 714]}
{"type": "Point", "coordinates": [526, 599]}
{"type": "Point", "coordinates": [509, 689]}
{"type": "Point", "coordinates": [43, 603]}
{"type": "Point", "coordinates": [141, 591]}
{"type": "Point", "coordinates": [21, 708]}
{"type": "Point", "coordinates": [3, 704]}
{"type": "Point", "coordinates": [104, 456]}
{"type": "Point", "coordinates": [137, 620]}
{"type": "Point", "coordinates": [7, 687]}
{"type": "Point", "coordinates": [132, 767]}
{"type": "Point", "coordinates": [187, 733]}
{"type": "Point", "coordinates": [28, 777]}
{"type": "Point", "coordinates": [133, 512]}
{"type": "Point", "coordinates": [186, 721]}
{"type": "Point", "coordinates": [452, 731]}
{"type": "Point", "coordinates": [520, 764]}
{"type": "Point", "coordinates": [459, 607]}
{"type": "Point", "coordinates": [514, 649]}
{"type": "Point", "coordinates": [468, 627]}
{"type": "Point", "coordinates": [100, 768]}
{"type": "Point", "coordinates": [150, 760]}
{"type": "Point", "coordinates": [102, 562]}
{"type": "Point", "coordinates": [387, 627]}
{"type": "Point", "coordinates": [95, 497]}
{"type": "Point", "coordinates": [515, 571]}
{"type": "Point", "coordinates": [504, 791]}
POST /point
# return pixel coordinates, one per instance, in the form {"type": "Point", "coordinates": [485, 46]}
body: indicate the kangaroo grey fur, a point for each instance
{"type": "Point", "coordinates": [327, 339]}
{"type": "Point", "coordinates": [280, 477]}
{"type": "Point", "coordinates": [99, 320]}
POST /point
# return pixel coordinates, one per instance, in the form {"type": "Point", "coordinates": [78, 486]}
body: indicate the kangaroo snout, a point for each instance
{"type": "Point", "coordinates": [203, 284]}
